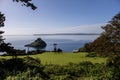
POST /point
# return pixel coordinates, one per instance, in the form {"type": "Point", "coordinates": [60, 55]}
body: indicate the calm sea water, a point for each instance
{"type": "Point", "coordinates": [67, 43]}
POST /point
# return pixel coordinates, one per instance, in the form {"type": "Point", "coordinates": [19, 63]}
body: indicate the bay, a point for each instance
{"type": "Point", "coordinates": [67, 43]}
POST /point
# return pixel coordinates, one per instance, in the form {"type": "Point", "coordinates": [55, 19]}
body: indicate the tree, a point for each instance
{"type": "Point", "coordinates": [6, 46]}
{"type": "Point", "coordinates": [59, 50]}
{"type": "Point", "coordinates": [2, 19]}
{"type": "Point", "coordinates": [108, 43]}
{"type": "Point", "coordinates": [26, 3]}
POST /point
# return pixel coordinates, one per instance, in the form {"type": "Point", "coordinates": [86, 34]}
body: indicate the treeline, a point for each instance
{"type": "Point", "coordinates": [31, 69]}
{"type": "Point", "coordinates": [108, 44]}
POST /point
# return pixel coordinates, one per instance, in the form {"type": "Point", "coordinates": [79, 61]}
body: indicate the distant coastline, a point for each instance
{"type": "Point", "coordinates": [56, 34]}
{"type": "Point", "coordinates": [69, 34]}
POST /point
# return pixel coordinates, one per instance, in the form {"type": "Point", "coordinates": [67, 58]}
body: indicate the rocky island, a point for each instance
{"type": "Point", "coordinates": [39, 43]}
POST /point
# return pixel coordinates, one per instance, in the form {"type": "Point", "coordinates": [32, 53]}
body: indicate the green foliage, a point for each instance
{"type": "Point", "coordinates": [26, 75]}
{"type": "Point", "coordinates": [32, 62]}
{"type": "Point", "coordinates": [92, 54]}
{"type": "Point", "coordinates": [114, 62]}
{"type": "Point", "coordinates": [32, 69]}
{"type": "Point", "coordinates": [19, 66]}
{"type": "Point", "coordinates": [108, 44]}
{"type": "Point", "coordinates": [73, 71]}
{"type": "Point", "coordinates": [86, 48]}
{"type": "Point", "coordinates": [6, 47]}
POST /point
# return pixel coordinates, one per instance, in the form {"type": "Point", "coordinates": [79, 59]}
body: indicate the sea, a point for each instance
{"type": "Point", "coordinates": [67, 43]}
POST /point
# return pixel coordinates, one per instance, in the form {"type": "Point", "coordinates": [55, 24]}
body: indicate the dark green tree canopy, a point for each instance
{"type": "Point", "coordinates": [112, 30]}
{"type": "Point", "coordinates": [108, 43]}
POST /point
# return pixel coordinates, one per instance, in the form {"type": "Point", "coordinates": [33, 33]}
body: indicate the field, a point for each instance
{"type": "Point", "coordinates": [63, 58]}
{"type": "Point", "coordinates": [29, 68]}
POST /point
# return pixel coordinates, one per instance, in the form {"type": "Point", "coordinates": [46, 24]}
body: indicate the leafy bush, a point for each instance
{"type": "Point", "coordinates": [91, 54]}
{"type": "Point", "coordinates": [114, 64]}
{"type": "Point", "coordinates": [32, 69]}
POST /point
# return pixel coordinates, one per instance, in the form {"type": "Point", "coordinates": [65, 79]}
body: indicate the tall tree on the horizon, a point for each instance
{"type": "Point", "coordinates": [4, 45]}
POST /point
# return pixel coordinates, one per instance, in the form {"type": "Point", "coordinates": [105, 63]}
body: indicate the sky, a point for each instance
{"type": "Point", "coordinates": [58, 16]}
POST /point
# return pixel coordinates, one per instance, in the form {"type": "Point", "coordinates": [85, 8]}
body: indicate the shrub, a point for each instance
{"type": "Point", "coordinates": [91, 55]}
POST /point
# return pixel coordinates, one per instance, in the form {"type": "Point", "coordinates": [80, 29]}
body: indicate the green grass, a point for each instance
{"type": "Point", "coordinates": [64, 58]}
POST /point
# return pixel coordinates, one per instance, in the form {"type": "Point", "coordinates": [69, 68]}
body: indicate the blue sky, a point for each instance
{"type": "Point", "coordinates": [58, 16]}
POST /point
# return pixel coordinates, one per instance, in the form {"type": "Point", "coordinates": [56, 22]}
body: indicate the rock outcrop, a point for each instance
{"type": "Point", "coordinates": [39, 43]}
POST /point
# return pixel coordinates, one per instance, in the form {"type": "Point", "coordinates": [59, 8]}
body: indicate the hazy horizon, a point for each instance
{"type": "Point", "coordinates": [58, 16]}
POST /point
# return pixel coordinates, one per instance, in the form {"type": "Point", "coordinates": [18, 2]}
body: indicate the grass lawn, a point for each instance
{"type": "Point", "coordinates": [63, 58]}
